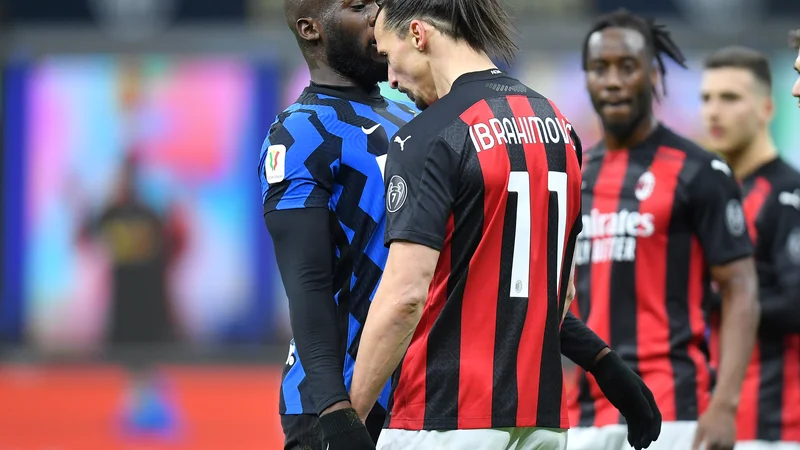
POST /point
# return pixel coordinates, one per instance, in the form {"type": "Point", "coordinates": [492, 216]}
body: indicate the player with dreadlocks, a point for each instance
{"type": "Point", "coordinates": [660, 214]}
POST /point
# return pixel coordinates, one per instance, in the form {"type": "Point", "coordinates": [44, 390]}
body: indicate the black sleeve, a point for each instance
{"type": "Point", "coordinates": [780, 293]}
{"type": "Point", "coordinates": [304, 251]}
{"type": "Point", "coordinates": [421, 180]}
{"type": "Point", "coordinates": [579, 343]}
{"type": "Point", "coordinates": [578, 145]}
{"type": "Point", "coordinates": [717, 215]}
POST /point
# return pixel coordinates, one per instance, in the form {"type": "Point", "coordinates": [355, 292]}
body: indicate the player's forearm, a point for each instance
{"type": "Point", "coordinates": [318, 341]}
{"type": "Point", "coordinates": [740, 318]}
{"type": "Point", "coordinates": [390, 326]}
{"type": "Point", "coordinates": [579, 343]}
{"type": "Point", "coordinates": [302, 249]}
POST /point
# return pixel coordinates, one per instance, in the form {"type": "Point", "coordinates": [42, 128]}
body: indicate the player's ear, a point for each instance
{"type": "Point", "coordinates": [768, 107]}
{"type": "Point", "coordinates": [307, 29]}
{"type": "Point", "coordinates": [418, 34]}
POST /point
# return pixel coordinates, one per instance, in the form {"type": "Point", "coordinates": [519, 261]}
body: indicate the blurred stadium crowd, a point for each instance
{"type": "Point", "coordinates": [140, 304]}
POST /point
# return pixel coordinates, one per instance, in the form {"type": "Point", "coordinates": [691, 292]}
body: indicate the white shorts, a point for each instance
{"type": "Point", "coordinates": [481, 439]}
{"type": "Point", "coordinates": [674, 436]}
{"type": "Point", "coordinates": [764, 445]}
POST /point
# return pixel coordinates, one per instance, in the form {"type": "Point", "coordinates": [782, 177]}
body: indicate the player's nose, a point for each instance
{"type": "Point", "coordinates": [709, 109]}
{"type": "Point", "coordinates": [393, 79]}
{"type": "Point", "coordinates": [612, 80]}
{"type": "Point", "coordinates": [796, 88]}
{"type": "Point", "coordinates": [373, 14]}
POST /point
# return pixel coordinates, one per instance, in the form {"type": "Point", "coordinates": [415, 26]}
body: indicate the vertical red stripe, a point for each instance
{"type": "Point", "coordinates": [790, 414]}
{"type": "Point", "coordinates": [747, 415]}
{"type": "Point", "coordinates": [753, 203]}
{"type": "Point", "coordinates": [607, 190]}
{"type": "Point", "coordinates": [713, 338]}
{"type": "Point", "coordinates": [564, 410]}
{"type": "Point", "coordinates": [698, 323]}
{"type": "Point", "coordinates": [529, 354]}
{"type": "Point", "coordinates": [652, 319]}
{"type": "Point", "coordinates": [408, 410]}
{"type": "Point", "coordinates": [479, 307]}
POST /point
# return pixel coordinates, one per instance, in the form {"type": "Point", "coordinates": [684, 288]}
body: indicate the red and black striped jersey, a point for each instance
{"type": "Point", "coordinates": [490, 176]}
{"type": "Point", "coordinates": [769, 406]}
{"type": "Point", "coordinates": [655, 217]}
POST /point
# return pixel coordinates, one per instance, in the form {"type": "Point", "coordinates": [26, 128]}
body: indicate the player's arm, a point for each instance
{"type": "Point", "coordinates": [719, 224]}
{"type": "Point", "coordinates": [415, 231]}
{"type": "Point", "coordinates": [297, 182]}
{"type": "Point", "coordinates": [780, 299]}
{"type": "Point", "coordinates": [580, 344]}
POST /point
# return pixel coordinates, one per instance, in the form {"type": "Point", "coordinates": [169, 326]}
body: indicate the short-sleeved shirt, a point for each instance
{"type": "Point", "coordinates": [655, 217]}
{"type": "Point", "coordinates": [489, 175]}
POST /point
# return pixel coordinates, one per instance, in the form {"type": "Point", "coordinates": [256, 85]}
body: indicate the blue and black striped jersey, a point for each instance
{"type": "Point", "coordinates": [328, 150]}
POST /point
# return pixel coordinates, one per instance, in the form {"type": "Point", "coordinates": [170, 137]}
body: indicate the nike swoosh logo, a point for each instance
{"type": "Point", "coordinates": [370, 130]}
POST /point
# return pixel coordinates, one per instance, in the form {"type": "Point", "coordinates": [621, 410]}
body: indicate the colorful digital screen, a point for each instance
{"type": "Point", "coordinates": [139, 173]}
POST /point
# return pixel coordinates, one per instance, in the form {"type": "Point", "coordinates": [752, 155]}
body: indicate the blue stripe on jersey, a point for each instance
{"type": "Point", "coordinates": [307, 140]}
{"type": "Point", "coordinates": [329, 151]}
{"type": "Point", "coordinates": [290, 387]}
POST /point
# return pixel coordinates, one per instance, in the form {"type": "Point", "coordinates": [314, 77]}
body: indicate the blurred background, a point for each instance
{"type": "Point", "coordinates": [140, 305]}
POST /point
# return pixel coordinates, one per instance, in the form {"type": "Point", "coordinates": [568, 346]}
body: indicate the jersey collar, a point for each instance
{"type": "Point", "coordinates": [351, 93]}
{"type": "Point", "coordinates": [480, 76]}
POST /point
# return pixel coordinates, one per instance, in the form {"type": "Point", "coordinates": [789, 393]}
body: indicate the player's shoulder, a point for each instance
{"type": "Point", "coordinates": [783, 176]}
{"type": "Point", "coordinates": [697, 160]}
{"type": "Point", "coordinates": [693, 151]}
{"type": "Point", "coordinates": [785, 182]}
{"type": "Point", "coordinates": [418, 134]}
{"type": "Point", "coordinates": [299, 125]}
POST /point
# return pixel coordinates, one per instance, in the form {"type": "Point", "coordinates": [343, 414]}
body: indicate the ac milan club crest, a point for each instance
{"type": "Point", "coordinates": [645, 186]}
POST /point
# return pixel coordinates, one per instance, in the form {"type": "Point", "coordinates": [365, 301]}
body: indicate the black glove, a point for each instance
{"type": "Point", "coordinates": [343, 430]}
{"type": "Point", "coordinates": [628, 393]}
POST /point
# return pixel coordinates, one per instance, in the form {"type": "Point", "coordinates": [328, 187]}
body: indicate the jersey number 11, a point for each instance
{"type": "Point", "coordinates": [519, 182]}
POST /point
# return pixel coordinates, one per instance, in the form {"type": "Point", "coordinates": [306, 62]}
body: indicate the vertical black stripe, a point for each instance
{"type": "Point", "coordinates": [441, 374]}
{"type": "Point", "coordinates": [593, 162]}
{"type": "Point", "coordinates": [551, 382]}
{"type": "Point", "coordinates": [390, 403]}
{"type": "Point", "coordinates": [623, 301]}
{"type": "Point", "coordinates": [770, 392]}
{"type": "Point", "coordinates": [511, 312]}
{"type": "Point", "coordinates": [679, 249]}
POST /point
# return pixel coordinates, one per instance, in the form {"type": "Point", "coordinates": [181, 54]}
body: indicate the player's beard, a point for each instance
{"type": "Point", "coordinates": [354, 62]}
{"type": "Point", "coordinates": [641, 107]}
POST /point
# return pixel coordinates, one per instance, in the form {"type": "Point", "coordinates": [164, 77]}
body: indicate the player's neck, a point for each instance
{"type": "Point", "coordinates": [642, 131]}
{"type": "Point", "coordinates": [323, 74]}
{"type": "Point", "coordinates": [449, 62]}
{"type": "Point", "coordinates": [761, 151]}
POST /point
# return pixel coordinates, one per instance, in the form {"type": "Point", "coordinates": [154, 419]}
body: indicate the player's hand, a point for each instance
{"type": "Point", "coordinates": [716, 429]}
{"type": "Point", "coordinates": [343, 430]}
{"type": "Point", "coordinates": [634, 400]}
